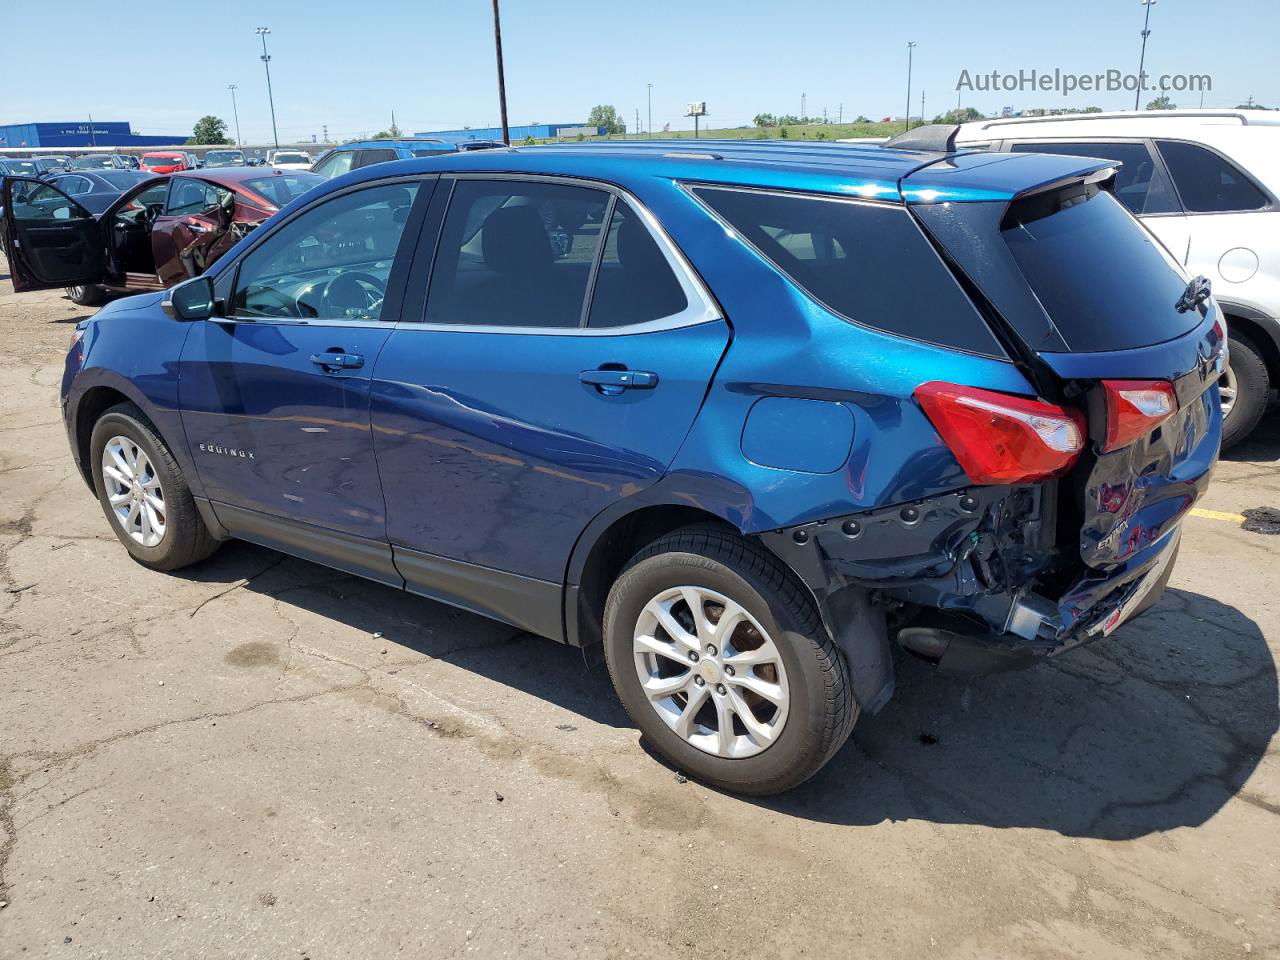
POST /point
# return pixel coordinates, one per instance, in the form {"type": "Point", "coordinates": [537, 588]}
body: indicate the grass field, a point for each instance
{"type": "Point", "coordinates": [815, 131]}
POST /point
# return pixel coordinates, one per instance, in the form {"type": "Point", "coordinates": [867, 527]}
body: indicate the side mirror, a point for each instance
{"type": "Point", "coordinates": [190, 300]}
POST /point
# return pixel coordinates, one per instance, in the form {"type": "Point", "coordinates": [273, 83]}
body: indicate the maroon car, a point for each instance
{"type": "Point", "coordinates": [159, 233]}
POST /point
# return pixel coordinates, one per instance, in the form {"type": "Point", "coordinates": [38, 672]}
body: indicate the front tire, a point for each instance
{"type": "Point", "coordinates": [1244, 388]}
{"type": "Point", "coordinates": [720, 658]}
{"type": "Point", "coordinates": [90, 295]}
{"type": "Point", "coordinates": [144, 494]}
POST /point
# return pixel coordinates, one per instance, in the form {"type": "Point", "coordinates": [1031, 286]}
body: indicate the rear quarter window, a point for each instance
{"type": "Point", "coordinates": [1208, 182]}
{"type": "Point", "coordinates": [868, 262]}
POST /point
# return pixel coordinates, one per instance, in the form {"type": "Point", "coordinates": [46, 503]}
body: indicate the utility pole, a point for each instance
{"type": "Point", "coordinates": [637, 123]}
{"type": "Point", "coordinates": [802, 108]}
{"type": "Point", "coordinates": [922, 106]}
{"type": "Point", "coordinates": [502, 83]}
{"type": "Point", "coordinates": [266, 62]}
{"type": "Point", "coordinates": [650, 86]}
{"type": "Point", "coordinates": [93, 137]}
{"type": "Point", "coordinates": [1146, 21]}
{"type": "Point", "coordinates": [235, 112]}
{"type": "Point", "coordinates": [911, 45]}
{"type": "Point", "coordinates": [840, 113]}
{"type": "Point", "coordinates": [326, 132]}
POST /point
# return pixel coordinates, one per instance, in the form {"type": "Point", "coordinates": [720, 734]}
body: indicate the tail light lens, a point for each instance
{"type": "Point", "coordinates": [999, 438]}
{"type": "Point", "coordinates": [1135, 408]}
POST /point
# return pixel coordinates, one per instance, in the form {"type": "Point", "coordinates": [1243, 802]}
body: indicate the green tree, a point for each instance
{"type": "Point", "coordinates": [861, 119]}
{"type": "Point", "coordinates": [967, 115]}
{"type": "Point", "coordinates": [765, 120]}
{"type": "Point", "coordinates": [605, 115]}
{"type": "Point", "coordinates": [1162, 102]}
{"type": "Point", "coordinates": [1251, 106]}
{"type": "Point", "coordinates": [209, 130]}
{"type": "Point", "coordinates": [1091, 110]}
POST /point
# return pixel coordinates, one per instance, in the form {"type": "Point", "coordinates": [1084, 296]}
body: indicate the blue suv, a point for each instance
{"type": "Point", "coordinates": [745, 417]}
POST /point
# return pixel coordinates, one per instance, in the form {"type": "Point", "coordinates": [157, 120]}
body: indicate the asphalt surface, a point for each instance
{"type": "Point", "coordinates": [260, 757]}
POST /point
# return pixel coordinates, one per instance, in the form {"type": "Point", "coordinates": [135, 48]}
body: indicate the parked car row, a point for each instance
{"type": "Point", "coordinates": [741, 419]}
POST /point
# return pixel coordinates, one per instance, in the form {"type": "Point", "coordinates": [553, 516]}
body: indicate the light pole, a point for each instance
{"type": "Point", "coordinates": [266, 62]}
{"type": "Point", "coordinates": [235, 113]}
{"type": "Point", "coordinates": [650, 86]}
{"type": "Point", "coordinates": [1146, 21]}
{"type": "Point", "coordinates": [502, 83]}
{"type": "Point", "coordinates": [911, 45]}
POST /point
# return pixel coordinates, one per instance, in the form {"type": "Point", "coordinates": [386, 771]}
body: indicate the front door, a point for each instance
{"type": "Point", "coordinates": [275, 396]}
{"type": "Point", "coordinates": [50, 240]}
{"type": "Point", "coordinates": [519, 406]}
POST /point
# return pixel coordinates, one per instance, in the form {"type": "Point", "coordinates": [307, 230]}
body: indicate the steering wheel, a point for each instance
{"type": "Point", "coordinates": [354, 294]}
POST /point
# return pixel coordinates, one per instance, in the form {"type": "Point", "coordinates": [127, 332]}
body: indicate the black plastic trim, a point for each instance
{"type": "Point", "coordinates": [533, 605]}
{"type": "Point", "coordinates": [342, 551]}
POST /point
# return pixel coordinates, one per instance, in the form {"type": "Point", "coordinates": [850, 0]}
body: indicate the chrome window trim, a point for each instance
{"type": "Point", "coordinates": [701, 308]}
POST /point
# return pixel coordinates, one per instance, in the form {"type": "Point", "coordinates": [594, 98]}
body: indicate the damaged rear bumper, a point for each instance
{"type": "Point", "coordinates": [969, 576]}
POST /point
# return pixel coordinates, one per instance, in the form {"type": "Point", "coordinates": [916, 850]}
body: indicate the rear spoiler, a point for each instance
{"type": "Point", "coordinates": [981, 176]}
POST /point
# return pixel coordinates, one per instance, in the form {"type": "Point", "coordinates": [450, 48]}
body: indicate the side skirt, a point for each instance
{"type": "Point", "coordinates": [532, 605]}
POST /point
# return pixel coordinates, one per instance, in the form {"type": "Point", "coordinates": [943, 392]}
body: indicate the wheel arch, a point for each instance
{"type": "Point", "coordinates": [1259, 329]}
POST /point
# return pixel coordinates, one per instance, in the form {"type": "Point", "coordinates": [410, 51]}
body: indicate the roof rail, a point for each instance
{"type": "Point", "coordinates": [939, 137]}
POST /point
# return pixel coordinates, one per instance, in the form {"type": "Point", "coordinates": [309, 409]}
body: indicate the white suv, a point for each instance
{"type": "Point", "coordinates": [1206, 183]}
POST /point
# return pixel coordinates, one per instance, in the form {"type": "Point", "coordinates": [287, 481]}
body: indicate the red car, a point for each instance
{"type": "Point", "coordinates": [164, 162]}
{"type": "Point", "coordinates": [161, 232]}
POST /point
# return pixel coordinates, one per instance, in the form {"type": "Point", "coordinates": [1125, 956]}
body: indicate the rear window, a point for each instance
{"type": "Point", "coordinates": [122, 179]}
{"type": "Point", "coordinates": [1208, 182]}
{"type": "Point", "coordinates": [160, 159]}
{"type": "Point", "coordinates": [280, 189]}
{"type": "Point", "coordinates": [1105, 282]}
{"type": "Point", "coordinates": [868, 262]}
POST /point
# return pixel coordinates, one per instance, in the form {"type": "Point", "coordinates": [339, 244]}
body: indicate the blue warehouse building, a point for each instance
{"type": "Point", "coordinates": [538, 131]}
{"type": "Point", "coordinates": [77, 133]}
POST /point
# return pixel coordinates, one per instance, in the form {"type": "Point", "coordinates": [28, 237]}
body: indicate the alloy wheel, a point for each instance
{"type": "Point", "coordinates": [134, 491]}
{"type": "Point", "coordinates": [75, 293]}
{"type": "Point", "coordinates": [1227, 391]}
{"type": "Point", "coordinates": [711, 671]}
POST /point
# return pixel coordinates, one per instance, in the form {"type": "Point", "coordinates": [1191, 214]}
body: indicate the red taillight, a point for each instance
{"type": "Point", "coordinates": [1135, 408]}
{"type": "Point", "coordinates": [999, 438]}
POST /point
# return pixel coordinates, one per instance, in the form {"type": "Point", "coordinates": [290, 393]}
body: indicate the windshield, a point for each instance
{"type": "Point", "coordinates": [215, 157]}
{"type": "Point", "coordinates": [21, 168]}
{"type": "Point", "coordinates": [292, 158]}
{"type": "Point", "coordinates": [281, 188]}
{"type": "Point", "coordinates": [1106, 282]}
{"type": "Point", "coordinates": [160, 159]}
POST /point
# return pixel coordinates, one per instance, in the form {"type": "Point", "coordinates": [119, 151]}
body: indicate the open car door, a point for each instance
{"type": "Point", "coordinates": [49, 239]}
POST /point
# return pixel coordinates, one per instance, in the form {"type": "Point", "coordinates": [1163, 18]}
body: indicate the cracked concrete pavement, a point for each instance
{"type": "Point", "coordinates": [260, 757]}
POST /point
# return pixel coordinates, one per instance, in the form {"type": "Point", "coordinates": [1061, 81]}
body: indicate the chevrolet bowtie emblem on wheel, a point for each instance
{"type": "Point", "coordinates": [226, 451]}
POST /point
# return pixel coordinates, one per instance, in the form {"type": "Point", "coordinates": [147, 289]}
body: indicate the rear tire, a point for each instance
{"type": "Point", "coordinates": [144, 494]}
{"type": "Point", "coordinates": [1252, 384]}
{"type": "Point", "coordinates": [90, 295]}
{"type": "Point", "coordinates": [789, 677]}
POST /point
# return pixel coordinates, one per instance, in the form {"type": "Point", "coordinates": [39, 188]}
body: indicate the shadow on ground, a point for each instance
{"type": "Point", "coordinates": [1263, 445]}
{"type": "Point", "coordinates": [1155, 728]}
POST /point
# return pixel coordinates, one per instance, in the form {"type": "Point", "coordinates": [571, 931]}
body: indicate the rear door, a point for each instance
{"type": "Point", "coordinates": [549, 376]}
{"type": "Point", "coordinates": [275, 394]}
{"type": "Point", "coordinates": [51, 240]}
{"type": "Point", "coordinates": [185, 235]}
{"type": "Point", "coordinates": [1142, 184]}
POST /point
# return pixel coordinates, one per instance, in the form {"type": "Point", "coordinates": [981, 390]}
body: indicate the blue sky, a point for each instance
{"type": "Point", "coordinates": [349, 64]}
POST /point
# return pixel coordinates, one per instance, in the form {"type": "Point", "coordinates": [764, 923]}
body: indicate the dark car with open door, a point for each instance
{"type": "Point", "coordinates": [163, 231]}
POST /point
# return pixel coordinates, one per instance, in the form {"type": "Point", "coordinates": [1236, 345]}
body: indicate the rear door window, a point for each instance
{"type": "Point", "coordinates": [516, 253]}
{"type": "Point", "coordinates": [1208, 182]}
{"type": "Point", "coordinates": [1106, 283]}
{"type": "Point", "coordinates": [865, 261]}
{"type": "Point", "coordinates": [634, 283]}
{"type": "Point", "coordinates": [336, 163]}
{"type": "Point", "coordinates": [1140, 183]}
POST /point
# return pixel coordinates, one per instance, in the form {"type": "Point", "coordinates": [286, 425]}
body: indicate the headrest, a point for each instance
{"type": "Point", "coordinates": [514, 241]}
